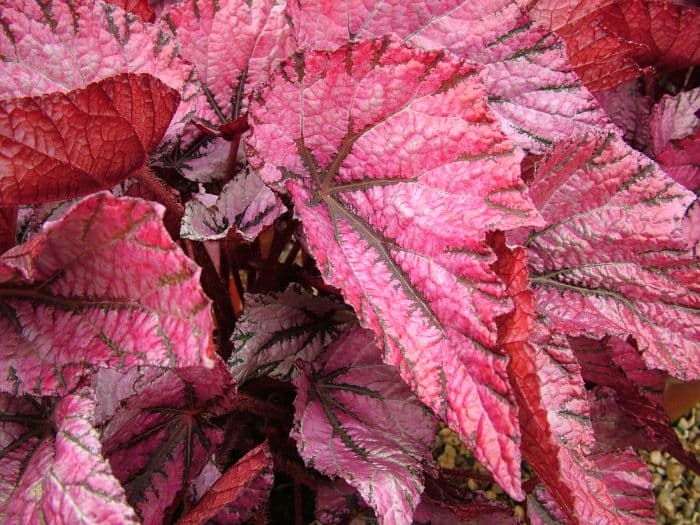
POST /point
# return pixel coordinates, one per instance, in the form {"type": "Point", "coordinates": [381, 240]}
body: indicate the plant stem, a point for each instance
{"type": "Point", "coordinates": [162, 191]}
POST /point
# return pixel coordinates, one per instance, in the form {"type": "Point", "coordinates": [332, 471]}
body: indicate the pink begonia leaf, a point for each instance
{"type": "Point", "coordinates": [629, 110]}
{"type": "Point", "coordinates": [336, 500]}
{"type": "Point", "coordinates": [55, 146]}
{"type": "Point", "coordinates": [529, 80]}
{"type": "Point", "coordinates": [556, 14]}
{"type": "Point", "coordinates": [234, 44]}
{"type": "Point", "coordinates": [629, 483]}
{"type": "Point", "coordinates": [611, 259]}
{"type": "Point", "coordinates": [65, 46]}
{"type": "Point", "coordinates": [691, 227]}
{"type": "Point", "coordinates": [141, 8]}
{"type": "Point", "coordinates": [397, 169]}
{"type": "Point", "coordinates": [675, 130]}
{"type": "Point", "coordinates": [160, 438]}
{"type": "Point", "coordinates": [206, 163]}
{"type": "Point", "coordinates": [244, 485]}
{"type": "Point", "coordinates": [355, 419]}
{"type": "Point", "coordinates": [104, 286]}
{"type": "Point", "coordinates": [52, 466]}
{"type": "Point", "coordinates": [553, 408]}
{"type": "Point", "coordinates": [277, 329]}
{"type": "Point", "coordinates": [245, 205]}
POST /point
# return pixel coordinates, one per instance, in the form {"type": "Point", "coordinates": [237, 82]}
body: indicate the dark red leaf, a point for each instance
{"type": "Point", "coordinates": [140, 8]}
{"type": "Point", "coordinates": [60, 145]}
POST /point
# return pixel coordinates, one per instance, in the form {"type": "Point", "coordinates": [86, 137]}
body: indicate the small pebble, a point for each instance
{"type": "Point", "coordinates": [655, 457]}
{"type": "Point", "coordinates": [490, 494]}
{"type": "Point", "coordinates": [675, 473]}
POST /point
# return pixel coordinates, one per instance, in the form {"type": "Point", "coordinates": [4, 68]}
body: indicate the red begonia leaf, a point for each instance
{"type": "Point", "coordinates": [354, 418]}
{"type": "Point", "coordinates": [230, 69]}
{"type": "Point", "coordinates": [530, 83]}
{"type": "Point", "coordinates": [277, 329]}
{"type": "Point", "coordinates": [8, 227]}
{"type": "Point", "coordinates": [629, 110]}
{"type": "Point", "coordinates": [629, 483]}
{"type": "Point", "coordinates": [675, 130]}
{"type": "Point", "coordinates": [335, 500]}
{"type": "Point", "coordinates": [60, 145]}
{"type": "Point", "coordinates": [611, 259]}
{"type": "Point", "coordinates": [61, 46]}
{"type": "Point", "coordinates": [52, 465]}
{"type": "Point", "coordinates": [141, 8]}
{"type": "Point", "coordinates": [553, 409]}
{"type": "Point", "coordinates": [246, 485]}
{"type": "Point", "coordinates": [245, 205]}
{"type": "Point", "coordinates": [104, 286]}
{"type": "Point", "coordinates": [397, 169]}
{"type": "Point", "coordinates": [485, 512]}
{"type": "Point", "coordinates": [609, 43]}
{"type": "Point", "coordinates": [159, 439]}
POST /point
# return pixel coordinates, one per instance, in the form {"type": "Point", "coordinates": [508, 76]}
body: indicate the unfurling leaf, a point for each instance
{"type": "Point", "coordinates": [612, 259]}
{"type": "Point", "coordinates": [397, 169]}
{"type": "Point", "coordinates": [97, 288]}
{"type": "Point", "coordinates": [51, 465]}
{"type": "Point", "coordinates": [60, 145]}
{"type": "Point", "coordinates": [245, 203]}
{"type": "Point", "coordinates": [529, 80]}
{"type": "Point", "coordinates": [245, 485]}
{"type": "Point", "coordinates": [355, 419]}
{"type": "Point", "coordinates": [277, 329]}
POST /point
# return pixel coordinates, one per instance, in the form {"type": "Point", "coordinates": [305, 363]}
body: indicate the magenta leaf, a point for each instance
{"type": "Point", "coordinates": [395, 198]}
{"type": "Point", "coordinates": [675, 130]}
{"type": "Point", "coordinates": [484, 512]}
{"type": "Point", "coordinates": [52, 466]}
{"type": "Point", "coordinates": [335, 500]}
{"type": "Point", "coordinates": [97, 288]}
{"type": "Point", "coordinates": [243, 487]}
{"type": "Point", "coordinates": [245, 204]}
{"type": "Point", "coordinates": [553, 409]}
{"type": "Point", "coordinates": [159, 439]}
{"type": "Point", "coordinates": [277, 329]}
{"type": "Point", "coordinates": [53, 146]}
{"type": "Point", "coordinates": [355, 419]}
{"type": "Point", "coordinates": [630, 111]}
{"type": "Point", "coordinates": [529, 80]}
{"type": "Point", "coordinates": [63, 46]}
{"type": "Point", "coordinates": [230, 69]}
{"type": "Point", "coordinates": [612, 259]}
{"type": "Point", "coordinates": [206, 163]}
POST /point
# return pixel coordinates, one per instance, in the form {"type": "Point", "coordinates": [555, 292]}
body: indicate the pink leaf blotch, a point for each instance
{"type": "Point", "coordinates": [356, 420]}
{"type": "Point", "coordinates": [530, 83]}
{"type": "Point", "coordinates": [103, 286]}
{"type": "Point", "coordinates": [397, 169]}
{"type": "Point", "coordinates": [64, 145]}
{"type": "Point", "coordinates": [52, 466]}
{"type": "Point", "coordinates": [277, 329]}
{"type": "Point", "coordinates": [245, 205]}
{"type": "Point", "coordinates": [612, 258]}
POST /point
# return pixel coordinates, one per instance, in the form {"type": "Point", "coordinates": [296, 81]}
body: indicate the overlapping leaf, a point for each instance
{"type": "Point", "coordinates": [529, 80]}
{"type": "Point", "coordinates": [397, 168]}
{"type": "Point", "coordinates": [277, 329]}
{"type": "Point", "coordinates": [52, 466]}
{"type": "Point", "coordinates": [237, 492]}
{"type": "Point", "coordinates": [675, 130]}
{"type": "Point", "coordinates": [630, 111]}
{"type": "Point", "coordinates": [104, 286]}
{"type": "Point", "coordinates": [612, 259]}
{"type": "Point", "coordinates": [355, 419]}
{"type": "Point", "coordinates": [60, 46]}
{"type": "Point", "coordinates": [230, 69]}
{"type": "Point", "coordinates": [553, 409]}
{"type": "Point", "coordinates": [245, 203]}
{"type": "Point", "coordinates": [64, 145]}
{"type": "Point", "coordinates": [160, 438]}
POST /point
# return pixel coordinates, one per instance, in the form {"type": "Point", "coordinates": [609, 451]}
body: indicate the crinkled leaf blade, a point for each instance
{"type": "Point", "coordinates": [244, 485]}
{"type": "Point", "coordinates": [277, 329]}
{"type": "Point", "coordinates": [612, 259]}
{"type": "Point", "coordinates": [103, 286]}
{"type": "Point", "coordinates": [355, 419]}
{"type": "Point", "coordinates": [529, 80]}
{"type": "Point", "coordinates": [65, 145]}
{"type": "Point", "coordinates": [395, 198]}
{"type": "Point", "coordinates": [61, 477]}
{"type": "Point", "coordinates": [552, 404]}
